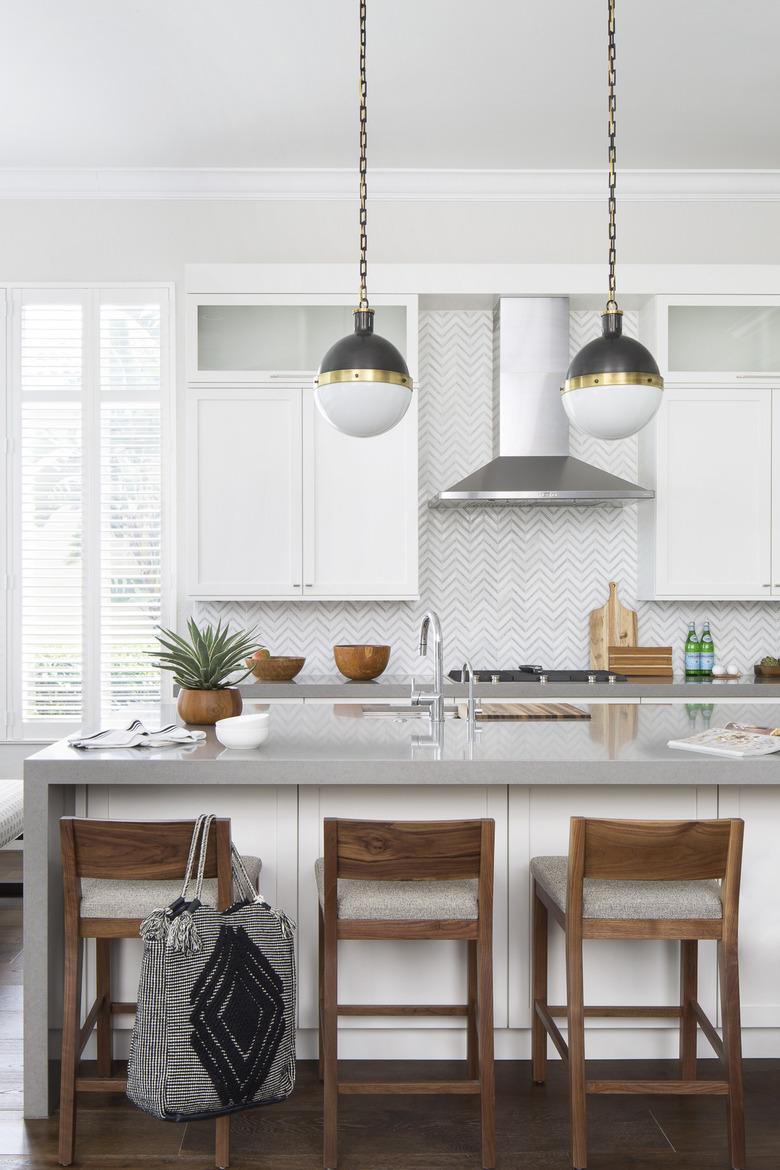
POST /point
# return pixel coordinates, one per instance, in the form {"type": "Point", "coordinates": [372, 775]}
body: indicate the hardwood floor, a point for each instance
{"type": "Point", "coordinates": [391, 1133]}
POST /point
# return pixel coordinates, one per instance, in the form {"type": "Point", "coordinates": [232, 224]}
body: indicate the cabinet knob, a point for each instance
{"type": "Point", "coordinates": [296, 584]}
{"type": "Point", "coordinates": [308, 585]}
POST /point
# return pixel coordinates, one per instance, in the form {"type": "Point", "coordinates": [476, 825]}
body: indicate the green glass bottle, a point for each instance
{"type": "Point", "coordinates": [692, 662]}
{"type": "Point", "coordinates": [706, 652]}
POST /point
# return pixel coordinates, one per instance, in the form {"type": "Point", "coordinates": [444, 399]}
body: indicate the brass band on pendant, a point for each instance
{"type": "Point", "coordinates": [328, 377]}
{"type": "Point", "coordinates": [616, 378]}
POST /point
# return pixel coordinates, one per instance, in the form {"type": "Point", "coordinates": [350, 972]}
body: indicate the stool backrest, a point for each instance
{"type": "Point", "coordinates": [141, 850]}
{"type": "Point", "coordinates": [655, 851]}
{"type": "Point", "coordinates": [409, 851]}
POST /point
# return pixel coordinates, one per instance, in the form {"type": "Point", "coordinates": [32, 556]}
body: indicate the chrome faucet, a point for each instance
{"type": "Point", "coordinates": [433, 700]}
{"type": "Point", "coordinates": [471, 707]}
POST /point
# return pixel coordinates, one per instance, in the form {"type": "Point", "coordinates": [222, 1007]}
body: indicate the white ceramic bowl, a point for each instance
{"type": "Point", "coordinates": [243, 731]}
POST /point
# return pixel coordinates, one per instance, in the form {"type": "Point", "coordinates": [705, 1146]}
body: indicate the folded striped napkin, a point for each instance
{"type": "Point", "coordinates": [136, 735]}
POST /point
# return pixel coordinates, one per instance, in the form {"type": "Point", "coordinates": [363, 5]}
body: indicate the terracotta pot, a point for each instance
{"type": "Point", "coordinates": [361, 662]}
{"type": "Point", "coordinates": [206, 707]}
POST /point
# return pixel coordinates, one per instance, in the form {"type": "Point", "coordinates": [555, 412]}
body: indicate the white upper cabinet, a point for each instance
{"type": "Point", "coordinates": [708, 533]}
{"type": "Point", "coordinates": [360, 509]}
{"type": "Point", "coordinates": [240, 338]}
{"type": "Point", "coordinates": [245, 492]}
{"type": "Point", "coordinates": [282, 505]}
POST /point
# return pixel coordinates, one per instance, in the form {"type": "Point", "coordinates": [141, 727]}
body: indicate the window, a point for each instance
{"type": "Point", "coordinates": [88, 424]}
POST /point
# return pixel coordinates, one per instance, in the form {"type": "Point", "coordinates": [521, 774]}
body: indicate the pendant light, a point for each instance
{"type": "Point", "coordinates": [363, 386]}
{"type": "Point", "coordinates": [613, 386]}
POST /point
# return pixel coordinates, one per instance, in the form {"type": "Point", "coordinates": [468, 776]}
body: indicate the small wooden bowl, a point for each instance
{"type": "Point", "coordinates": [361, 663]}
{"type": "Point", "coordinates": [766, 671]}
{"type": "Point", "coordinates": [275, 668]}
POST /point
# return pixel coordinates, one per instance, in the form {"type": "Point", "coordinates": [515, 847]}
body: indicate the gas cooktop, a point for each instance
{"type": "Point", "coordinates": [539, 674]}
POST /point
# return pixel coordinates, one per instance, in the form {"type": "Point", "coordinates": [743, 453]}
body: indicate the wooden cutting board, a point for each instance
{"type": "Point", "coordinates": [641, 661]}
{"type": "Point", "coordinates": [611, 625]}
{"type": "Point", "coordinates": [493, 711]}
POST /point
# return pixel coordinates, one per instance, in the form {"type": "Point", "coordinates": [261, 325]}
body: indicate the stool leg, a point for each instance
{"type": "Point", "coordinates": [487, 1076]}
{"type": "Point", "coordinates": [472, 1042]}
{"type": "Point", "coordinates": [329, 1043]}
{"type": "Point", "coordinates": [71, 1026]}
{"type": "Point", "coordinates": [320, 992]}
{"type": "Point", "coordinates": [689, 993]}
{"type": "Point", "coordinates": [539, 992]}
{"type": "Point", "coordinates": [576, 1029]}
{"type": "Point", "coordinates": [103, 981]}
{"type": "Point", "coordinates": [728, 966]}
{"type": "Point", "coordinates": [222, 1143]}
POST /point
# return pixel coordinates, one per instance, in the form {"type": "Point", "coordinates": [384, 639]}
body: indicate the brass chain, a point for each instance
{"type": "Point", "coordinates": [611, 128]}
{"type": "Point", "coordinates": [363, 216]}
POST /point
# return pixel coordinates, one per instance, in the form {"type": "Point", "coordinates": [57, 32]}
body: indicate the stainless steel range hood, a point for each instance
{"type": "Point", "coordinates": [533, 464]}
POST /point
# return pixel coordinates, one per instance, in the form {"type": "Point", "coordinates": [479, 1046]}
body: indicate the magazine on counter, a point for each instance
{"type": "Point", "coordinates": [735, 740]}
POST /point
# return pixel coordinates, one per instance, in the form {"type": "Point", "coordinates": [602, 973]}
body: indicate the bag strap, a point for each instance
{"type": "Point", "coordinates": [204, 845]}
{"type": "Point", "coordinates": [191, 856]}
{"type": "Point", "coordinates": [242, 878]}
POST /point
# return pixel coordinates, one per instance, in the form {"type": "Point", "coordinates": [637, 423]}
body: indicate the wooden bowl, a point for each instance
{"type": "Point", "coordinates": [361, 663]}
{"type": "Point", "coordinates": [275, 668]}
{"type": "Point", "coordinates": [766, 671]}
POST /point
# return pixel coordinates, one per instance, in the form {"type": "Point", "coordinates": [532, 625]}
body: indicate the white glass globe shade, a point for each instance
{"type": "Point", "coordinates": [612, 412]}
{"type": "Point", "coordinates": [362, 409]}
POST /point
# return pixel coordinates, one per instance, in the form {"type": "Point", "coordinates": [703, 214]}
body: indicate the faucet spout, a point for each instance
{"type": "Point", "coordinates": [431, 625]}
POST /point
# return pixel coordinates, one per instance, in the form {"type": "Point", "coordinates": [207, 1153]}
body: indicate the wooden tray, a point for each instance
{"type": "Point", "coordinates": [766, 671]}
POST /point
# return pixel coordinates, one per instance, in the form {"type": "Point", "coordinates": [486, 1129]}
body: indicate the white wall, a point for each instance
{"type": "Point", "coordinates": [66, 240]}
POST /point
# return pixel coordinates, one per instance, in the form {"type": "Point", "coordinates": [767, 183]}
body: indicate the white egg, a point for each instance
{"type": "Point", "coordinates": [717, 670]}
{"type": "Point", "coordinates": [733, 668]}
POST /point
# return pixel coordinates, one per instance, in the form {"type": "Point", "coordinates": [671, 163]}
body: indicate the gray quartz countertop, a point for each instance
{"type": "Point", "coordinates": [390, 687]}
{"type": "Point", "coordinates": [338, 744]}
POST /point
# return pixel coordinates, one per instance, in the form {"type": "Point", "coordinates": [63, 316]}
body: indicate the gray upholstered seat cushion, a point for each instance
{"type": "Point", "coordinates": [107, 898]}
{"type": "Point", "coordinates": [10, 810]}
{"type": "Point", "coordinates": [396, 900]}
{"type": "Point", "coordinates": [627, 899]}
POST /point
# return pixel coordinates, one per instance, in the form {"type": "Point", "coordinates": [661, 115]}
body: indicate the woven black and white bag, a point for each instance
{"type": "Point", "coordinates": [215, 1024]}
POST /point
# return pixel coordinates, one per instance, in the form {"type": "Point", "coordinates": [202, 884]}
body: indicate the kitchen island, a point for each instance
{"type": "Point", "coordinates": [347, 760]}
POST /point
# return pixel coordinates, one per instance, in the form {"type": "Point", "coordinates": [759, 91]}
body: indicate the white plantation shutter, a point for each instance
{"type": "Point", "coordinates": [90, 395]}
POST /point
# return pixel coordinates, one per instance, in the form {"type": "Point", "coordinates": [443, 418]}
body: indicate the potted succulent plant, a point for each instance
{"type": "Point", "coordinates": [201, 667]}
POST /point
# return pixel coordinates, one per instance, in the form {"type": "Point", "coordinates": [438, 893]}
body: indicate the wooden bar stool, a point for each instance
{"type": "Point", "coordinates": [114, 874]}
{"type": "Point", "coordinates": [643, 880]}
{"type": "Point", "coordinates": [409, 880]}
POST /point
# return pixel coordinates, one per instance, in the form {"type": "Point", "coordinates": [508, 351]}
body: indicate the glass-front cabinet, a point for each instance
{"type": "Point", "coordinates": [239, 338]}
{"type": "Point", "coordinates": [718, 339]}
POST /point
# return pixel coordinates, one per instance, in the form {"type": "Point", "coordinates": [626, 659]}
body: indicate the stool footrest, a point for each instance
{"type": "Point", "coordinates": [661, 1012]}
{"type": "Point", "coordinates": [392, 1088]}
{"type": "Point", "coordinates": [672, 1088]}
{"type": "Point", "coordinates": [402, 1009]}
{"type": "Point", "coordinates": [101, 1084]}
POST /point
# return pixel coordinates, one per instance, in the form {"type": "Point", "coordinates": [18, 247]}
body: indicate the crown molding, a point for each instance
{"type": "Point", "coordinates": [441, 186]}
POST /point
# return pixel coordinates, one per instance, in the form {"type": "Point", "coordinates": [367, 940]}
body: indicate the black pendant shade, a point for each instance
{"type": "Point", "coordinates": [613, 359]}
{"type": "Point", "coordinates": [363, 356]}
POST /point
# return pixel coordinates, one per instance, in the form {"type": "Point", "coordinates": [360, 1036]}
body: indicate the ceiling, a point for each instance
{"type": "Point", "coordinates": [452, 83]}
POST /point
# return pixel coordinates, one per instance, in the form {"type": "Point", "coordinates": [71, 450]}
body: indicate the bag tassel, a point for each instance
{"type": "Point", "coordinates": [154, 927]}
{"type": "Point", "coordinates": [285, 922]}
{"type": "Point", "coordinates": [183, 935]}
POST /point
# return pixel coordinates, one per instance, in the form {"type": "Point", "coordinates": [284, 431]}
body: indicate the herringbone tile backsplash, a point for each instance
{"type": "Point", "coordinates": [511, 585]}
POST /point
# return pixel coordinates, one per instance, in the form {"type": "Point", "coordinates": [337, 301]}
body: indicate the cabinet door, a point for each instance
{"type": "Point", "coordinates": [246, 492]}
{"type": "Point", "coordinates": [360, 510]}
{"type": "Point", "coordinates": [714, 493]}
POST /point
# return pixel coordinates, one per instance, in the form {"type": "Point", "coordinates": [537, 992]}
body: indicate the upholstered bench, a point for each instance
{"type": "Point", "coordinates": [11, 810]}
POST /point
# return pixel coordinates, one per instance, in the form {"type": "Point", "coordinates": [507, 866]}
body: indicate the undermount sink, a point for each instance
{"type": "Point", "coordinates": [401, 711]}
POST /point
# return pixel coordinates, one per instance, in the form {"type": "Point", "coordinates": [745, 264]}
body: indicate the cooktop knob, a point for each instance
{"type": "Point", "coordinates": [543, 678]}
{"type": "Point", "coordinates": [591, 678]}
{"type": "Point", "coordinates": [494, 678]}
{"type": "Point", "coordinates": [612, 678]}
